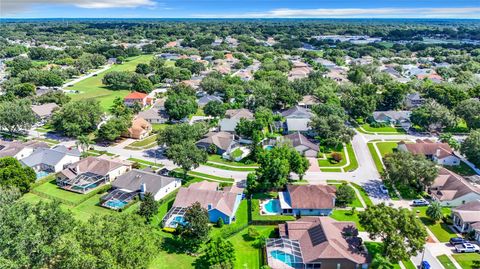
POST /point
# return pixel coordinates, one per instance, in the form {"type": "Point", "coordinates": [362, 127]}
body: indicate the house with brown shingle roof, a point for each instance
{"type": "Point", "coordinates": [232, 118]}
{"type": "Point", "coordinates": [307, 200]}
{"type": "Point", "coordinates": [222, 141]}
{"type": "Point", "coordinates": [466, 218]}
{"type": "Point", "coordinates": [20, 150]}
{"type": "Point", "coordinates": [139, 129]}
{"type": "Point", "coordinates": [451, 189]}
{"type": "Point", "coordinates": [219, 203]}
{"type": "Point", "coordinates": [440, 153]}
{"type": "Point", "coordinates": [302, 144]}
{"type": "Point", "coordinates": [317, 242]}
{"type": "Point", "coordinates": [91, 172]}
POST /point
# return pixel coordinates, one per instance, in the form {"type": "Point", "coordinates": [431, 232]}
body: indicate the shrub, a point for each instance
{"type": "Point", "coordinates": [337, 157]}
{"type": "Point", "coordinates": [345, 195]}
{"type": "Point", "coordinates": [252, 232]}
{"type": "Point", "coordinates": [220, 223]}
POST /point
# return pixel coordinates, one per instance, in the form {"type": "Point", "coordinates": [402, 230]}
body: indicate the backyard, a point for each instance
{"type": "Point", "coordinates": [93, 87]}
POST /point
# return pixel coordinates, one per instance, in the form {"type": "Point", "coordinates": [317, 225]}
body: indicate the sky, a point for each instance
{"type": "Point", "coordinates": [466, 9]}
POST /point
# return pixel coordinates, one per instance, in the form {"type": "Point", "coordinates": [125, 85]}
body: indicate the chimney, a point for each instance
{"type": "Point", "coordinates": [437, 152]}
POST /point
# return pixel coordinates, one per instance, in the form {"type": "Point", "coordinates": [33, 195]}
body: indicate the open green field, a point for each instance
{"type": "Point", "coordinates": [466, 260]}
{"type": "Point", "coordinates": [93, 87]}
{"type": "Point", "coordinates": [441, 231]}
{"type": "Point", "coordinates": [217, 161]}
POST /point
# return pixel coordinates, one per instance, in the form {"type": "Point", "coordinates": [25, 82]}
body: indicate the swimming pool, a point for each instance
{"type": "Point", "coordinates": [116, 204]}
{"type": "Point", "coordinates": [286, 258]}
{"type": "Point", "coordinates": [272, 206]}
{"type": "Point", "coordinates": [268, 147]}
{"type": "Point", "coordinates": [41, 174]}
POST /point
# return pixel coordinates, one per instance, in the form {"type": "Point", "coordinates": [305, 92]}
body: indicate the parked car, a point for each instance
{"type": "Point", "coordinates": [425, 265]}
{"type": "Point", "coordinates": [384, 189]}
{"type": "Point", "coordinates": [457, 240]}
{"type": "Point", "coordinates": [467, 248]}
{"type": "Point", "coordinates": [420, 202]}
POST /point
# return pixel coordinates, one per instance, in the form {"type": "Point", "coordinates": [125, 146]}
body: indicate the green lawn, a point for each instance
{"type": "Point", "coordinates": [256, 216]}
{"type": "Point", "coordinates": [218, 159]}
{"type": "Point", "coordinates": [159, 126]}
{"type": "Point", "coordinates": [446, 262]}
{"type": "Point", "coordinates": [145, 162]}
{"type": "Point", "coordinates": [466, 260]}
{"type": "Point", "coordinates": [353, 159]}
{"type": "Point", "coordinates": [374, 249]}
{"type": "Point", "coordinates": [93, 88]}
{"type": "Point", "coordinates": [149, 141]}
{"type": "Point", "coordinates": [386, 147]}
{"type": "Point", "coordinates": [439, 229]}
{"type": "Point", "coordinates": [193, 173]}
{"type": "Point", "coordinates": [52, 190]}
{"type": "Point", "coordinates": [376, 158]}
{"type": "Point", "coordinates": [383, 130]}
{"type": "Point", "coordinates": [329, 162]}
{"type": "Point", "coordinates": [247, 255]}
{"type": "Point", "coordinates": [363, 193]}
{"type": "Point", "coordinates": [344, 215]}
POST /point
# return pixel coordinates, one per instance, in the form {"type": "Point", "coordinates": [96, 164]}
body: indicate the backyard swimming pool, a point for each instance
{"type": "Point", "coordinates": [283, 257]}
{"type": "Point", "coordinates": [272, 207]}
{"type": "Point", "coordinates": [41, 174]}
{"type": "Point", "coordinates": [115, 204]}
{"type": "Point", "coordinates": [268, 147]}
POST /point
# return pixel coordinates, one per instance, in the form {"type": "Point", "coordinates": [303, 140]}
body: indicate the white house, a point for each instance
{"type": "Point", "coordinates": [466, 218]}
{"type": "Point", "coordinates": [451, 189]}
{"type": "Point", "coordinates": [51, 160]}
{"type": "Point", "coordinates": [19, 150]}
{"type": "Point", "coordinates": [440, 153]}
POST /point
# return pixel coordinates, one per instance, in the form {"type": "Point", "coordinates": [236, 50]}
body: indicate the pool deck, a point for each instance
{"type": "Point", "coordinates": [263, 209]}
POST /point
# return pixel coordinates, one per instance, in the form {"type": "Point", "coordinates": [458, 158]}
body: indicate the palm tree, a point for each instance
{"type": "Point", "coordinates": [434, 211]}
{"type": "Point", "coordinates": [83, 142]}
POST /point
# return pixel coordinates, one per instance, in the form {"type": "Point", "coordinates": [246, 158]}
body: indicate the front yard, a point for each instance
{"type": "Point", "coordinates": [468, 260]}
{"type": "Point", "coordinates": [368, 129]}
{"type": "Point", "coordinates": [330, 165]}
{"type": "Point", "coordinates": [146, 143]}
{"type": "Point", "coordinates": [441, 231]}
{"type": "Point", "coordinates": [217, 161]}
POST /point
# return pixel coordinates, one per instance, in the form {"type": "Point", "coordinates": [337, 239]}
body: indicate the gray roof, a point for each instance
{"type": "Point", "coordinates": [298, 139]}
{"type": "Point", "coordinates": [297, 124]}
{"type": "Point", "coordinates": [44, 110]}
{"type": "Point", "coordinates": [228, 125]}
{"type": "Point", "coordinates": [392, 115]}
{"type": "Point", "coordinates": [222, 140]}
{"type": "Point", "coordinates": [49, 156]}
{"type": "Point", "coordinates": [297, 112]}
{"type": "Point", "coordinates": [153, 113]}
{"type": "Point", "coordinates": [12, 148]}
{"type": "Point", "coordinates": [134, 179]}
{"type": "Point", "coordinates": [207, 98]}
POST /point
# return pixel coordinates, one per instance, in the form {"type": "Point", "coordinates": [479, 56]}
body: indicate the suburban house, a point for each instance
{"type": "Point", "coordinates": [221, 141]}
{"type": "Point", "coordinates": [297, 119]}
{"type": "Point", "coordinates": [451, 189]}
{"type": "Point", "coordinates": [44, 111]}
{"type": "Point", "coordinates": [141, 181]}
{"type": "Point", "coordinates": [308, 101]}
{"type": "Point", "coordinates": [19, 150]}
{"type": "Point", "coordinates": [139, 129]}
{"type": "Point", "coordinates": [307, 200]}
{"type": "Point", "coordinates": [138, 97]}
{"type": "Point", "coordinates": [440, 153]}
{"type": "Point", "coordinates": [220, 204]}
{"type": "Point", "coordinates": [89, 173]}
{"type": "Point", "coordinates": [466, 218]}
{"type": "Point", "coordinates": [51, 159]}
{"type": "Point", "coordinates": [317, 242]}
{"type": "Point", "coordinates": [202, 101]}
{"type": "Point", "coordinates": [395, 118]}
{"type": "Point", "coordinates": [302, 144]}
{"type": "Point", "coordinates": [299, 70]}
{"type": "Point", "coordinates": [414, 100]}
{"type": "Point", "coordinates": [232, 118]}
{"type": "Point", "coordinates": [155, 115]}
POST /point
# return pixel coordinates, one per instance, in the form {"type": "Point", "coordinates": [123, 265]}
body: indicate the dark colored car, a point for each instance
{"type": "Point", "coordinates": [457, 240]}
{"type": "Point", "coordinates": [425, 265]}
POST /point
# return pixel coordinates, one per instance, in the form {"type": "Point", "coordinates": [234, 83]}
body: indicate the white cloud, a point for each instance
{"type": "Point", "coordinates": [8, 7]}
{"type": "Point", "coordinates": [464, 12]}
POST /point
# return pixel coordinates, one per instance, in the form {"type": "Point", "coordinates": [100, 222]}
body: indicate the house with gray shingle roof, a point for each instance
{"type": "Point", "coordinates": [451, 189]}
{"type": "Point", "coordinates": [466, 218]}
{"type": "Point", "coordinates": [393, 117]}
{"type": "Point", "coordinates": [20, 150]}
{"type": "Point", "coordinates": [297, 119]}
{"type": "Point", "coordinates": [51, 159]}
{"type": "Point", "coordinates": [302, 144]}
{"type": "Point", "coordinates": [44, 111]}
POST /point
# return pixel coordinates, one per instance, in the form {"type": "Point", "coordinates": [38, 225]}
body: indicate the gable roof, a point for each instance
{"type": "Point", "coordinates": [134, 179]}
{"type": "Point", "coordinates": [49, 156]}
{"type": "Point", "coordinates": [95, 165]}
{"type": "Point", "coordinates": [298, 139]}
{"type": "Point", "coordinates": [222, 140]}
{"type": "Point", "coordinates": [154, 113]}
{"type": "Point", "coordinates": [241, 113]}
{"type": "Point", "coordinates": [222, 201]}
{"type": "Point", "coordinates": [207, 98]}
{"type": "Point", "coordinates": [297, 112]}
{"type": "Point", "coordinates": [322, 238]}
{"type": "Point", "coordinates": [44, 110]}
{"type": "Point", "coordinates": [136, 96]}
{"type": "Point", "coordinates": [428, 147]}
{"type": "Point", "coordinates": [308, 100]}
{"type": "Point", "coordinates": [468, 212]}
{"type": "Point", "coordinates": [391, 114]}
{"type": "Point", "coordinates": [12, 148]}
{"type": "Point", "coordinates": [139, 125]}
{"type": "Point", "coordinates": [312, 196]}
{"type": "Point", "coordinates": [450, 186]}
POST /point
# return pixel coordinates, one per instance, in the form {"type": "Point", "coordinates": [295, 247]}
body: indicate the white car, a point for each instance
{"type": "Point", "coordinates": [467, 248]}
{"type": "Point", "coordinates": [420, 202]}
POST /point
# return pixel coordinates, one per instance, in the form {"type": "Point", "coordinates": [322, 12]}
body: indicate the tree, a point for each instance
{"type": "Point", "coordinates": [181, 133]}
{"type": "Point", "coordinates": [450, 140]}
{"type": "Point", "coordinates": [219, 222]}
{"type": "Point", "coordinates": [434, 211]}
{"type": "Point", "coordinates": [264, 117]}
{"type": "Point", "coordinates": [141, 84]}
{"type": "Point", "coordinates": [412, 171]}
{"type": "Point", "coordinates": [331, 129]}
{"type": "Point", "coordinates": [196, 229]}
{"type": "Point", "coordinates": [380, 262]}
{"type": "Point", "coordinates": [215, 109]}
{"type": "Point", "coordinates": [337, 156]}
{"type": "Point", "coordinates": [16, 115]}
{"type": "Point", "coordinates": [118, 80]}
{"type": "Point", "coordinates": [143, 69]}
{"type": "Point", "coordinates": [24, 90]}
{"type": "Point", "coordinates": [432, 116]}
{"type": "Point", "coordinates": [360, 101]}
{"type": "Point", "coordinates": [471, 148]}
{"type": "Point", "coordinates": [179, 106]}
{"type": "Point", "coordinates": [392, 96]}
{"type": "Point", "coordinates": [219, 252]}
{"type": "Point", "coordinates": [345, 195]}
{"type": "Point", "coordinates": [113, 128]}
{"type": "Point", "coordinates": [77, 118]}
{"type": "Point", "coordinates": [469, 110]}
{"type": "Point", "coordinates": [83, 142]}
{"type": "Point", "coordinates": [402, 233]}
{"type": "Point", "coordinates": [14, 174]}
{"type": "Point", "coordinates": [187, 156]}
{"type": "Point", "coordinates": [119, 108]}
{"type": "Point", "coordinates": [148, 207]}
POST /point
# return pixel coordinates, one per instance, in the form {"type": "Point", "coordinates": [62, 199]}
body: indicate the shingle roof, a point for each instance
{"type": "Point", "coordinates": [321, 238]}
{"type": "Point", "coordinates": [312, 196]}
{"type": "Point", "coordinates": [427, 147]}
{"type": "Point", "coordinates": [297, 124]}
{"type": "Point", "coordinates": [134, 179]}
{"type": "Point", "coordinates": [469, 212]}
{"type": "Point", "coordinates": [49, 156]}
{"type": "Point", "coordinates": [223, 201]}
{"type": "Point", "coordinates": [297, 112]}
{"type": "Point", "coordinates": [222, 140]}
{"type": "Point", "coordinates": [96, 165]}
{"type": "Point", "coordinates": [44, 110]}
{"type": "Point", "coordinates": [241, 113]}
{"type": "Point", "coordinates": [451, 186]}
{"type": "Point", "coordinates": [298, 139]}
{"type": "Point", "coordinates": [207, 98]}
{"type": "Point", "coordinates": [394, 115]}
{"type": "Point", "coordinates": [139, 126]}
{"type": "Point", "coordinates": [12, 148]}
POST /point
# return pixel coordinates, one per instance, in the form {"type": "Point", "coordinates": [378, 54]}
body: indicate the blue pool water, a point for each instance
{"type": "Point", "coordinates": [269, 147]}
{"type": "Point", "coordinates": [41, 174]}
{"type": "Point", "coordinates": [272, 206]}
{"type": "Point", "coordinates": [286, 258]}
{"type": "Point", "coordinates": [114, 203]}
{"type": "Point", "coordinates": [179, 220]}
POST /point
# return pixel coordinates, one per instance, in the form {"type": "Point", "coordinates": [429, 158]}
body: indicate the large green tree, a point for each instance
{"type": "Point", "coordinates": [219, 253]}
{"type": "Point", "coordinates": [16, 115]}
{"type": "Point", "coordinates": [469, 110]}
{"type": "Point", "coordinates": [77, 118]}
{"type": "Point", "coordinates": [113, 128]}
{"type": "Point", "coordinates": [471, 148]}
{"type": "Point", "coordinates": [402, 233]}
{"type": "Point", "coordinates": [14, 174]}
{"type": "Point", "coordinates": [187, 156]}
{"type": "Point", "coordinates": [148, 207]}
{"type": "Point", "coordinates": [180, 133]}
{"type": "Point", "coordinates": [179, 106]}
{"type": "Point", "coordinates": [432, 116]}
{"type": "Point", "coordinates": [196, 229]}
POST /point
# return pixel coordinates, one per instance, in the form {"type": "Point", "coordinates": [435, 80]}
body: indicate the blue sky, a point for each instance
{"type": "Point", "coordinates": [240, 9]}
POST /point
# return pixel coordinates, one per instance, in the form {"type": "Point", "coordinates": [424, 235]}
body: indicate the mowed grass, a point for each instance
{"type": "Point", "coordinates": [384, 148]}
{"type": "Point", "coordinates": [383, 130]}
{"type": "Point", "coordinates": [247, 255]}
{"type": "Point", "coordinates": [446, 262]}
{"type": "Point", "coordinates": [441, 231]}
{"type": "Point", "coordinates": [345, 215]}
{"type": "Point", "coordinates": [93, 88]}
{"type": "Point", "coordinates": [50, 188]}
{"type": "Point", "coordinates": [466, 260]}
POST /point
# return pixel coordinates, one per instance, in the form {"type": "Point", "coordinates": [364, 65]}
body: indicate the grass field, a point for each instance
{"type": "Point", "coordinates": [50, 188]}
{"type": "Point", "coordinates": [93, 87]}
{"type": "Point", "coordinates": [446, 262]}
{"type": "Point", "coordinates": [466, 260]}
{"type": "Point", "coordinates": [345, 215]}
{"type": "Point", "coordinates": [382, 130]}
{"type": "Point", "coordinates": [363, 193]}
{"type": "Point", "coordinates": [247, 255]}
{"type": "Point", "coordinates": [441, 231]}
